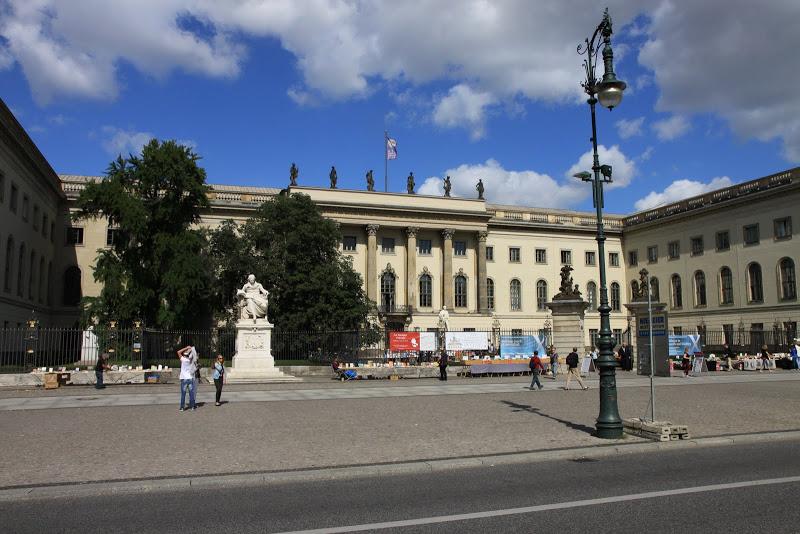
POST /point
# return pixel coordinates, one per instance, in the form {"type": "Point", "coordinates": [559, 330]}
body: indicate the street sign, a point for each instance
{"type": "Point", "coordinates": [659, 325]}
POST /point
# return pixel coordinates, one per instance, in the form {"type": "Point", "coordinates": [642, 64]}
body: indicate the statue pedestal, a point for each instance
{"type": "Point", "coordinates": [568, 324]}
{"type": "Point", "coordinates": [253, 361]}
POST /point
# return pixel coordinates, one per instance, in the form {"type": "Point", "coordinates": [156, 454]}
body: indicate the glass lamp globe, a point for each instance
{"type": "Point", "coordinates": [609, 93]}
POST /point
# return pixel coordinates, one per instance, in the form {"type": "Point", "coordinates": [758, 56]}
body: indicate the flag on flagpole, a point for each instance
{"type": "Point", "coordinates": [391, 148]}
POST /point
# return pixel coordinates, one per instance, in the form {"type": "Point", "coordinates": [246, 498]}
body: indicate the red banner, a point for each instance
{"type": "Point", "coordinates": [403, 341]}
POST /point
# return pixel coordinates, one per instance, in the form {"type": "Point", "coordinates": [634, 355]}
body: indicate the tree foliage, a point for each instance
{"type": "Point", "coordinates": [294, 253]}
{"type": "Point", "coordinates": [155, 268]}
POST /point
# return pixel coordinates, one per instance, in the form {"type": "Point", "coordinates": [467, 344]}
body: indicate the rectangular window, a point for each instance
{"type": "Point", "coordinates": [697, 246]}
{"type": "Point", "coordinates": [674, 250]}
{"type": "Point", "coordinates": [783, 228]}
{"type": "Point", "coordinates": [387, 245]}
{"type": "Point", "coordinates": [112, 234]}
{"type": "Point", "coordinates": [618, 336]}
{"type": "Point", "coordinates": [723, 240]}
{"type": "Point", "coordinates": [12, 203]}
{"type": "Point", "coordinates": [541, 255]}
{"type": "Point", "coordinates": [489, 253]}
{"type": "Point", "coordinates": [516, 331]}
{"type": "Point", "coordinates": [593, 336]}
{"type": "Point", "coordinates": [652, 254]}
{"type": "Point", "coordinates": [633, 258]}
{"type": "Point", "coordinates": [751, 234]}
{"type": "Point", "coordinates": [727, 332]}
{"type": "Point", "coordinates": [513, 255]}
{"type": "Point", "coordinates": [25, 207]}
{"type": "Point", "coordinates": [613, 259]}
{"type": "Point", "coordinates": [566, 257]}
{"type": "Point", "coordinates": [74, 235]}
{"type": "Point", "coordinates": [348, 243]}
{"type": "Point", "coordinates": [459, 248]}
{"type": "Point", "coordinates": [36, 217]}
{"type": "Point", "coordinates": [589, 256]}
{"type": "Point", "coordinates": [424, 247]}
{"type": "Point", "coordinates": [677, 330]}
{"type": "Point", "coordinates": [52, 232]}
{"type": "Point", "coordinates": [45, 224]}
{"type": "Point", "coordinates": [2, 187]}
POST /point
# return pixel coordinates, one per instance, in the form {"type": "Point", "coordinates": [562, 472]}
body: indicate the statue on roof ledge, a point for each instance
{"type": "Point", "coordinates": [334, 177]}
{"type": "Point", "coordinates": [293, 174]}
{"type": "Point", "coordinates": [479, 187]}
{"type": "Point", "coordinates": [447, 186]}
{"type": "Point", "coordinates": [370, 181]}
{"type": "Point", "coordinates": [410, 183]}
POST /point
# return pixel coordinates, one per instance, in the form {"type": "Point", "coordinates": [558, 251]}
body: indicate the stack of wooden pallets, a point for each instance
{"type": "Point", "coordinates": [655, 430]}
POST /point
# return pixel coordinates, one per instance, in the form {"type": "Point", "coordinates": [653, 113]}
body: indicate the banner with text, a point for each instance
{"type": "Point", "coordinates": [466, 341]}
{"type": "Point", "coordinates": [520, 346]}
{"type": "Point", "coordinates": [403, 341]}
{"type": "Point", "coordinates": [677, 343]}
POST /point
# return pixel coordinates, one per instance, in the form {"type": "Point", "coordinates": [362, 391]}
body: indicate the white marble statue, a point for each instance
{"type": "Point", "coordinates": [444, 319]}
{"type": "Point", "coordinates": [253, 299]}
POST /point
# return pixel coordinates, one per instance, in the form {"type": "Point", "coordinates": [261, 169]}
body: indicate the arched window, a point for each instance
{"type": "Point", "coordinates": [32, 276]}
{"type": "Point", "coordinates": [788, 281]}
{"type": "Point", "coordinates": [725, 286]}
{"type": "Point", "coordinates": [677, 292]}
{"type": "Point", "coordinates": [41, 280]}
{"type": "Point", "coordinates": [516, 295]}
{"type": "Point", "coordinates": [72, 286]}
{"type": "Point", "coordinates": [21, 271]}
{"type": "Point", "coordinates": [699, 288]}
{"type": "Point", "coordinates": [634, 289]}
{"type": "Point", "coordinates": [9, 270]}
{"type": "Point", "coordinates": [541, 295]}
{"type": "Point", "coordinates": [591, 296]}
{"type": "Point", "coordinates": [490, 293]}
{"type": "Point", "coordinates": [754, 283]}
{"type": "Point", "coordinates": [460, 283]}
{"type": "Point", "coordinates": [654, 289]}
{"type": "Point", "coordinates": [387, 291]}
{"type": "Point", "coordinates": [425, 291]}
{"type": "Point", "coordinates": [615, 297]}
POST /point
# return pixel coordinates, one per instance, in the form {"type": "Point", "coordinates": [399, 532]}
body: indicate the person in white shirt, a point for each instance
{"type": "Point", "coordinates": [188, 357]}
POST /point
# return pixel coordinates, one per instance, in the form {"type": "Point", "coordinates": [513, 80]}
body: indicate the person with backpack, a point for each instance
{"type": "Point", "coordinates": [536, 369]}
{"type": "Point", "coordinates": [572, 364]}
{"type": "Point", "coordinates": [553, 361]}
{"type": "Point", "coordinates": [219, 377]}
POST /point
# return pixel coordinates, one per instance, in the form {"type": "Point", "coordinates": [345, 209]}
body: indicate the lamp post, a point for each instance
{"type": "Point", "coordinates": [608, 92]}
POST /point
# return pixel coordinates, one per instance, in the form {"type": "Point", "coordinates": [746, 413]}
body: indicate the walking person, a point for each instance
{"type": "Point", "coordinates": [765, 359]}
{"type": "Point", "coordinates": [188, 357]}
{"type": "Point", "coordinates": [102, 365]}
{"type": "Point", "coordinates": [219, 377]}
{"type": "Point", "coordinates": [553, 361]}
{"type": "Point", "coordinates": [536, 369]}
{"type": "Point", "coordinates": [443, 367]}
{"type": "Point", "coordinates": [572, 369]}
{"type": "Point", "coordinates": [686, 363]}
{"type": "Point", "coordinates": [795, 353]}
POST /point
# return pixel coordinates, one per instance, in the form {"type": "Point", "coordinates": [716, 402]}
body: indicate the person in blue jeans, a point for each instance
{"type": "Point", "coordinates": [102, 365]}
{"type": "Point", "coordinates": [536, 369]}
{"type": "Point", "coordinates": [188, 357]}
{"type": "Point", "coordinates": [795, 353]}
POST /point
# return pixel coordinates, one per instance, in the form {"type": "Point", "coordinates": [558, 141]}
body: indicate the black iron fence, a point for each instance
{"type": "Point", "coordinates": [24, 349]}
{"type": "Point", "coordinates": [747, 341]}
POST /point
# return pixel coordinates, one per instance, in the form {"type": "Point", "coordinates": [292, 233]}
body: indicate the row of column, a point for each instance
{"type": "Point", "coordinates": [411, 267]}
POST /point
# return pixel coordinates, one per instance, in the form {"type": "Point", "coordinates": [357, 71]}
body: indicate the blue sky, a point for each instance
{"type": "Point", "coordinates": [473, 90]}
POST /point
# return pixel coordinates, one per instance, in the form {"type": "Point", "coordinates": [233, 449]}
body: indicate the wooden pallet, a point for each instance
{"type": "Point", "coordinates": [655, 430]}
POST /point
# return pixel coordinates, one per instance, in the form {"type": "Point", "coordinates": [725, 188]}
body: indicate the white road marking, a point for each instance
{"type": "Point", "coordinates": [546, 507]}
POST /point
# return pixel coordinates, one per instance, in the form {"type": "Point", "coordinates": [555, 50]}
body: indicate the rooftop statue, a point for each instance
{"type": "Point", "coordinates": [370, 181]}
{"type": "Point", "coordinates": [293, 174]}
{"type": "Point", "coordinates": [447, 186]}
{"type": "Point", "coordinates": [410, 183]}
{"type": "Point", "coordinates": [333, 177]}
{"type": "Point", "coordinates": [479, 187]}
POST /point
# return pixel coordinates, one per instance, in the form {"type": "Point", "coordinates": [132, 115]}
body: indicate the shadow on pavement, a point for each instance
{"type": "Point", "coordinates": [530, 409]}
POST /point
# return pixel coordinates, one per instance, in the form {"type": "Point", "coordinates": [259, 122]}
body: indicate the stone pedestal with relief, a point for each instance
{"type": "Point", "coordinates": [253, 361]}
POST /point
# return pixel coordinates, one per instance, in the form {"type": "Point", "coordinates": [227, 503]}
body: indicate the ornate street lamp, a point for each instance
{"type": "Point", "coordinates": [609, 93]}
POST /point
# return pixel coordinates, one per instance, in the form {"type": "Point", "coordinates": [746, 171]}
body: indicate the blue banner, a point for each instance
{"type": "Point", "coordinates": [677, 343]}
{"type": "Point", "coordinates": [520, 346]}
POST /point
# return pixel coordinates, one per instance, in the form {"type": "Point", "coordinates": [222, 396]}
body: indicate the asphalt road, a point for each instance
{"type": "Point", "coordinates": [657, 492]}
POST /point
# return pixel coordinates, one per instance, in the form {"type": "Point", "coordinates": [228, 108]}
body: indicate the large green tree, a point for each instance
{"type": "Point", "coordinates": [155, 270]}
{"type": "Point", "coordinates": [294, 252]}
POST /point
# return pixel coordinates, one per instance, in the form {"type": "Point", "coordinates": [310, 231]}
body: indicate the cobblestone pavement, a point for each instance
{"type": "Point", "coordinates": [353, 423]}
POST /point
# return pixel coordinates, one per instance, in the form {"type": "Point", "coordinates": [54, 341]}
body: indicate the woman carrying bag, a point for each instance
{"type": "Point", "coordinates": [219, 376]}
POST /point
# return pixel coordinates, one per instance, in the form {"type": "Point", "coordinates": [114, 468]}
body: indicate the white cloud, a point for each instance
{"type": "Point", "coordinates": [118, 141]}
{"type": "Point", "coordinates": [623, 172]}
{"type": "Point", "coordinates": [463, 107]}
{"type": "Point", "coordinates": [671, 128]}
{"type": "Point", "coordinates": [6, 58]}
{"type": "Point", "coordinates": [701, 71]}
{"type": "Point", "coordinates": [629, 128]}
{"type": "Point", "coordinates": [647, 154]}
{"type": "Point", "coordinates": [680, 189]}
{"type": "Point", "coordinates": [502, 186]}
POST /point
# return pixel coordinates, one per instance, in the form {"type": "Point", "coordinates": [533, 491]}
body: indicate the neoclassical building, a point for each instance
{"type": "Point", "coordinates": [720, 261]}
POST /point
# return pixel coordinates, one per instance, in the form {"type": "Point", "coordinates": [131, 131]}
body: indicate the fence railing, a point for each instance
{"type": "Point", "coordinates": [748, 341]}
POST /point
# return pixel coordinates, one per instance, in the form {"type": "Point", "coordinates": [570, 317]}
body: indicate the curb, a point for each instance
{"type": "Point", "coordinates": [87, 489]}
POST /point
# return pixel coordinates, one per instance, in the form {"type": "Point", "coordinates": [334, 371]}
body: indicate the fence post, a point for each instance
{"type": "Point", "coordinates": [31, 343]}
{"type": "Point", "coordinates": [112, 339]}
{"type": "Point", "coordinates": [137, 341]}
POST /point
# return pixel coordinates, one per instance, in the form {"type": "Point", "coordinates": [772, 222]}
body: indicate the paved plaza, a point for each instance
{"type": "Point", "coordinates": [133, 432]}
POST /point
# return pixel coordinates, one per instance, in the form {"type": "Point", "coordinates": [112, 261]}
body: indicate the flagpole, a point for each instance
{"type": "Point", "coordinates": [385, 161]}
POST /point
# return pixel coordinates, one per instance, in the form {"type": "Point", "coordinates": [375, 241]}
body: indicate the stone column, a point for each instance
{"type": "Point", "coordinates": [411, 267]}
{"type": "Point", "coordinates": [482, 296]}
{"type": "Point", "coordinates": [372, 262]}
{"type": "Point", "coordinates": [447, 268]}
{"type": "Point", "coordinates": [568, 320]}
